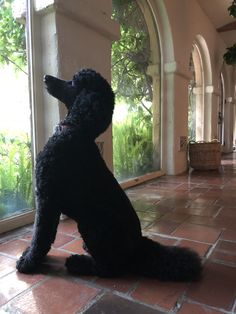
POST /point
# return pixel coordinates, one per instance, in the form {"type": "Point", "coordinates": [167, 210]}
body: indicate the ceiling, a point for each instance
{"type": "Point", "coordinates": [217, 11]}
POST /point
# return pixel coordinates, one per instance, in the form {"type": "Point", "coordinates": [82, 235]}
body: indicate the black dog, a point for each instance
{"type": "Point", "coordinates": [73, 179]}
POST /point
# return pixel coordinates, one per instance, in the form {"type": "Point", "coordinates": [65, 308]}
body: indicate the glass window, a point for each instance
{"type": "Point", "coordinates": [136, 145]}
{"type": "Point", "coordinates": [15, 114]}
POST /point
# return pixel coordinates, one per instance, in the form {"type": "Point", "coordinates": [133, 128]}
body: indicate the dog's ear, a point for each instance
{"type": "Point", "coordinates": [92, 111]}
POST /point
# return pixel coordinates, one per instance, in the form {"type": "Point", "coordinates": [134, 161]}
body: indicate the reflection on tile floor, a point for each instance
{"type": "Point", "coordinates": [196, 210]}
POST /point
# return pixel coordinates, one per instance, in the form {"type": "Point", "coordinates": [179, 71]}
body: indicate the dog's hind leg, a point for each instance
{"type": "Point", "coordinates": [85, 265]}
{"type": "Point", "coordinates": [45, 227]}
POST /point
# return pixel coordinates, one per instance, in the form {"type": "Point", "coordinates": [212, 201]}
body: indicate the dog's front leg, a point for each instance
{"type": "Point", "coordinates": [44, 233]}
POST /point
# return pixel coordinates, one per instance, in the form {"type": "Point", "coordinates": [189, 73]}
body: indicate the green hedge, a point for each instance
{"type": "Point", "coordinates": [15, 174]}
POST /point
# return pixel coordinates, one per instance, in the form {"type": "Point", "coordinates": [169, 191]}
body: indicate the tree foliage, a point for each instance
{"type": "Point", "coordinates": [132, 138]}
{"type": "Point", "coordinates": [12, 37]}
{"type": "Point", "coordinates": [15, 173]}
{"type": "Point", "coordinates": [130, 55]}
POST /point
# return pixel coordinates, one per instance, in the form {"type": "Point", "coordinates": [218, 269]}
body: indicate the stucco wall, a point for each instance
{"type": "Point", "coordinates": [186, 22]}
{"type": "Point", "coordinates": [74, 35]}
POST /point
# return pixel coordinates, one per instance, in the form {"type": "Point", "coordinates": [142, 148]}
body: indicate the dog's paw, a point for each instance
{"type": "Point", "coordinates": [27, 264]}
{"type": "Point", "coordinates": [80, 265]}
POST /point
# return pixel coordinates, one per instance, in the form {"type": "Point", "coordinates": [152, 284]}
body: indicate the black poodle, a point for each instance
{"type": "Point", "coordinates": [72, 178]}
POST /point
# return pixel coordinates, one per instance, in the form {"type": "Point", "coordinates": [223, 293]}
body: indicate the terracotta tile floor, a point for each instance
{"type": "Point", "coordinates": [197, 210]}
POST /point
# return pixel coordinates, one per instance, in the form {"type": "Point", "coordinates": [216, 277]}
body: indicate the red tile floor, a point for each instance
{"type": "Point", "coordinates": [197, 210]}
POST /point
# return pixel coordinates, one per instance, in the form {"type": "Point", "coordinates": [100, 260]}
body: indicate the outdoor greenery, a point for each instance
{"type": "Point", "coordinates": [132, 146]}
{"type": "Point", "coordinates": [15, 150]}
{"type": "Point", "coordinates": [12, 38]}
{"type": "Point", "coordinates": [132, 137]}
{"type": "Point", "coordinates": [15, 173]}
{"type": "Point", "coordinates": [191, 113]}
{"type": "Point", "coordinates": [232, 9]}
{"type": "Point", "coordinates": [230, 55]}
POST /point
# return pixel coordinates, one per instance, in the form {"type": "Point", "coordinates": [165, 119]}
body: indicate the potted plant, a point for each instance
{"type": "Point", "coordinates": [232, 9]}
{"type": "Point", "coordinates": [230, 55]}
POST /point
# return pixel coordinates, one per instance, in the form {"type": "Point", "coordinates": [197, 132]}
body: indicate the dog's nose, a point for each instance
{"type": "Point", "coordinates": [45, 78]}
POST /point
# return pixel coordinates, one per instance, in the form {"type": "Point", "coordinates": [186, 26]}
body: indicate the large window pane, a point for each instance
{"type": "Point", "coordinates": [15, 115]}
{"type": "Point", "coordinates": [136, 147]}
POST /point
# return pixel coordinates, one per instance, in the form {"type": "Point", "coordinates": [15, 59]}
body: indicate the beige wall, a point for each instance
{"type": "Point", "coordinates": [186, 22]}
{"type": "Point", "coordinates": [74, 35]}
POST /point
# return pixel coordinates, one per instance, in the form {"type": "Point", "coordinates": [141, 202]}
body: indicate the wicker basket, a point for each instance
{"type": "Point", "coordinates": [205, 155]}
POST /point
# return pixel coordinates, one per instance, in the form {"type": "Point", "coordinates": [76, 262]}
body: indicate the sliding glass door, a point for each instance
{"type": "Point", "coordinates": [16, 195]}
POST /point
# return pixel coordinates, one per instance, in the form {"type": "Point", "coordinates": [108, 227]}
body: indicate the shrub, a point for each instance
{"type": "Point", "coordinates": [15, 174]}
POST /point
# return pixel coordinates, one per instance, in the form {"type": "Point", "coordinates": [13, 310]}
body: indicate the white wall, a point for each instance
{"type": "Point", "coordinates": [74, 35]}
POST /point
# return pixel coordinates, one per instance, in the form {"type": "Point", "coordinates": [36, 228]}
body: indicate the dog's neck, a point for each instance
{"type": "Point", "coordinates": [62, 127]}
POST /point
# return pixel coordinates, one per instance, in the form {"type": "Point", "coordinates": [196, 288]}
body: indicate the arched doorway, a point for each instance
{"type": "Point", "coordinates": [221, 108]}
{"type": "Point", "coordinates": [200, 92]}
{"type": "Point", "coordinates": [136, 82]}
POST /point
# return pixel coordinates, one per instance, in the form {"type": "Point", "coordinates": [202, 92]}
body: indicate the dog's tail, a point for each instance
{"type": "Point", "coordinates": [166, 263]}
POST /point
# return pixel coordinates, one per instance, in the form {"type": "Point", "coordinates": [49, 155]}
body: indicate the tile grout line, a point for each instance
{"type": "Point", "coordinates": [91, 302]}
{"type": "Point", "coordinates": [129, 297]}
{"type": "Point", "coordinates": [210, 307]}
{"type": "Point", "coordinates": [22, 293]}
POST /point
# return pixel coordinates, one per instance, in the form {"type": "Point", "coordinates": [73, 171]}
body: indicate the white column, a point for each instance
{"type": "Point", "coordinates": [74, 35]}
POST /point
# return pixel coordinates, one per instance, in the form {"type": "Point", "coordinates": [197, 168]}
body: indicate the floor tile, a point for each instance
{"type": "Point", "coordinates": [199, 190]}
{"type": "Point", "coordinates": [7, 265]}
{"type": "Point", "coordinates": [174, 202]}
{"type": "Point", "coordinates": [188, 308]}
{"type": "Point", "coordinates": [201, 248]}
{"type": "Point", "coordinates": [175, 217]}
{"type": "Point", "coordinates": [226, 246]}
{"type": "Point", "coordinates": [62, 239]}
{"type": "Point", "coordinates": [57, 258]}
{"type": "Point", "coordinates": [163, 227]}
{"type": "Point", "coordinates": [15, 283]}
{"type": "Point", "coordinates": [148, 215]}
{"type": "Point", "coordinates": [14, 247]}
{"type": "Point", "coordinates": [141, 205]}
{"type": "Point", "coordinates": [56, 296]}
{"type": "Point", "coordinates": [225, 251]}
{"type": "Point", "coordinates": [27, 236]}
{"type": "Point", "coordinates": [186, 186]}
{"type": "Point", "coordinates": [197, 233]}
{"type": "Point", "coordinates": [208, 211]}
{"type": "Point", "coordinates": [154, 292]}
{"type": "Point", "coordinates": [165, 185]}
{"type": "Point", "coordinates": [58, 253]}
{"type": "Point", "coordinates": [123, 284]}
{"type": "Point", "coordinates": [112, 304]}
{"type": "Point", "coordinates": [209, 221]}
{"type": "Point", "coordinates": [229, 235]}
{"type": "Point", "coordinates": [228, 212]}
{"type": "Point", "coordinates": [68, 227]}
{"type": "Point", "coordinates": [76, 246]}
{"type": "Point", "coordinates": [226, 258]}
{"type": "Point", "coordinates": [204, 200]}
{"type": "Point", "coordinates": [217, 287]}
{"type": "Point", "coordinates": [163, 240]}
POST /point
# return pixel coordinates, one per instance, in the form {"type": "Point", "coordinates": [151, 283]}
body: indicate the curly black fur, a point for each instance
{"type": "Point", "coordinates": [73, 179]}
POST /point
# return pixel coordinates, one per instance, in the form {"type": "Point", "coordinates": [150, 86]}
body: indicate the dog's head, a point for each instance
{"type": "Point", "coordinates": [88, 98]}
